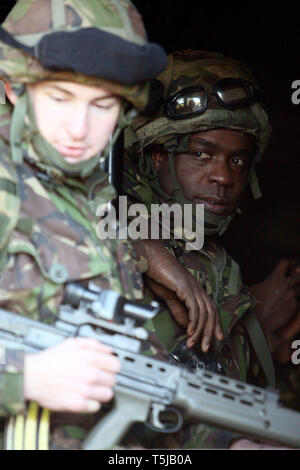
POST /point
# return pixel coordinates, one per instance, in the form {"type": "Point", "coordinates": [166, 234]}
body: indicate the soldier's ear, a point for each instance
{"type": "Point", "coordinates": [158, 155]}
{"type": "Point", "coordinates": [12, 96]}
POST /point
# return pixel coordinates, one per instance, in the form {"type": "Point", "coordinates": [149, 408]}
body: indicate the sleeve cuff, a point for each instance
{"type": "Point", "coordinates": [11, 383]}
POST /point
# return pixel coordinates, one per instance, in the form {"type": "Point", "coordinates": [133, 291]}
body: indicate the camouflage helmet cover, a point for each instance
{"type": "Point", "coordinates": [187, 68]}
{"type": "Point", "coordinates": [31, 20]}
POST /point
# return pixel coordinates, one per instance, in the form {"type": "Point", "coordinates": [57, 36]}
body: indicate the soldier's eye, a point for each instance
{"type": "Point", "coordinates": [241, 162]}
{"type": "Point", "coordinates": [200, 155]}
{"type": "Point", "coordinates": [59, 99]}
{"type": "Point", "coordinates": [106, 104]}
{"type": "Point", "coordinates": [101, 106]}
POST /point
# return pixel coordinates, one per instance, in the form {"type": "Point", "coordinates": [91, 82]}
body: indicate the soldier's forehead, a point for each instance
{"type": "Point", "coordinates": [216, 134]}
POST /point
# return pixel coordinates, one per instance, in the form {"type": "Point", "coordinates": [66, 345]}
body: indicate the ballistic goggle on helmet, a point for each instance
{"type": "Point", "coordinates": [230, 93]}
{"type": "Point", "coordinates": [203, 91]}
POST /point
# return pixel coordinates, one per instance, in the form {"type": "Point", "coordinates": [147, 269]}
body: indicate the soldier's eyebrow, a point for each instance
{"type": "Point", "coordinates": [216, 146]}
{"type": "Point", "coordinates": [106, 97]}
{"type": "Point", "coordinates": [205, 143]}
{"type": "Point", "coordinates": [69, 93]}
{"type": "Point", "coordinates": [58, 88]}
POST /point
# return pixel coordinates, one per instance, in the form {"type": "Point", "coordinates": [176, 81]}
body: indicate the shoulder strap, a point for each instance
{"type": "Point", "coordinates": [10, 216]}
{"type": "Point", "coordinates": [260, 346]}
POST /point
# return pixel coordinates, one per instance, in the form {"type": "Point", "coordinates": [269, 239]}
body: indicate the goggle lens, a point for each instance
{"type": "Point", "coordinates": [232, 95]}
{"type": "Point", "coordinates": [194, 102]}
{"type": "Point", "coordinates": [230, 92]}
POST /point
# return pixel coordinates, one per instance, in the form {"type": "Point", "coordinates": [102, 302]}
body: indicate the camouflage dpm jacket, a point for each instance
{"type": "Point", "coordinates": [220, 276]}
{"type": "Point", "coordinates": [48, 238]}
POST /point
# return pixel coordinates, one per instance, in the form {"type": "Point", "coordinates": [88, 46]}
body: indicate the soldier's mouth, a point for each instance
{"type": "Point", "coordinates": [69, 151]}
{"type": "Point", "coordinates": [214, 204]}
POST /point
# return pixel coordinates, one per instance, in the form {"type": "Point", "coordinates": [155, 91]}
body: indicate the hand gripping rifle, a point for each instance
{"type": "Point", "coordinates": [159, 394]}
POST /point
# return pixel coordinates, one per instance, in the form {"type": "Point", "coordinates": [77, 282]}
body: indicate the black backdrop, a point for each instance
{"type": "Point", "coordinates": [267, 38]}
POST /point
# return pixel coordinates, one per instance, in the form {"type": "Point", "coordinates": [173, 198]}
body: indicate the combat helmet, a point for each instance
{"type": "Point", "coordinates": [188, 71]}
{"type": "Point", "coordinates": [93, 42]}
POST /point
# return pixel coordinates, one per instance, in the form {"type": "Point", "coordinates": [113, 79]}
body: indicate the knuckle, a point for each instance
{"type": "Point", "coordinates": [76, 405]}
{"type": "Point", "coordinates": [107, 394]}
{"type": "Point", "coordinates": [211, 312]}
{"type": "Point", "coordinates": [116, 367]}
{"type": "Point", "coordinates": [112, 380]}
{"type": "Point", "coordinates": [91, 375]}
{"type": "Point", "coordinates": [84, 391]}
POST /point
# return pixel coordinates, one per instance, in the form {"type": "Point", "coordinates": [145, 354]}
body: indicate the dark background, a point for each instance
{"type": "Point", "coordinates": [268, 40]}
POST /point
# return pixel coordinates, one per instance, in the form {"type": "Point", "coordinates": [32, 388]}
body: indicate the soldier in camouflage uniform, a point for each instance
{"type": "Point", "coordinates": [61, 62]}
{"type": "Point", "coordinates": [154, 175]}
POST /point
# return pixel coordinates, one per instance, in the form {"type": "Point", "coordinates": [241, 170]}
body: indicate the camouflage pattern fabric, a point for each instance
{"type": "Point", "coordinates": [47, 218]}
{"type": "Point", "coordinates": [54, 242]}
{"type": "Point", "coordinates": [30, 20]}
{"type": "Point", "coordinates": [214, 268]}
{"type": "Point", "coordinates": [288, 382]}
{"type": "Point", "coordinates": [11, 382]}
{"type": "Point", "coordinates": [187, 68]}
{"type": "Point", "coordinates": [192, 68]}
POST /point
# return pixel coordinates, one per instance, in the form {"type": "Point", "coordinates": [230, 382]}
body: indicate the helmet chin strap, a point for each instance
{"type": "Point", "coordinates": [253, 180]}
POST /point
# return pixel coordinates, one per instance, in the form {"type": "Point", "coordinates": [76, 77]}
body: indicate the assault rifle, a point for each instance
{"type": "Point", "coordinates": [159, 394]}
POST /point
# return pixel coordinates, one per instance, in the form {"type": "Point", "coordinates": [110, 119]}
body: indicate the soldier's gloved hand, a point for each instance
{"type": "Point", "coordinates": [75, 376]}
{"type": "Point", "coordinates": [277, 296]}
{"type": "Point", "coordinates": [191, 307]}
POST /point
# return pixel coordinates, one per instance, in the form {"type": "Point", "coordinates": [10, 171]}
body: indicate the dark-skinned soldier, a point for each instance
{"type": "Point", "coordinates": [206, 156]}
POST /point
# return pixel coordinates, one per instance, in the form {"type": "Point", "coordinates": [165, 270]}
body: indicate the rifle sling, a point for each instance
{"type": "Point", "coordinates": [260, 346]}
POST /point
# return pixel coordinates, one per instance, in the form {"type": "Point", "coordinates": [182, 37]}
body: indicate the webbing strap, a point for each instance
{"type": "Point", "coordinates": [234, 281]}
{"type": "Point", "coordinates": [8, 186]}
{"type": "Point", "coordinates": [25, 225]}
{"type": "Point", "coordinates": [58, 13]}
{"type": "Point", "coordinates": [260, 346]}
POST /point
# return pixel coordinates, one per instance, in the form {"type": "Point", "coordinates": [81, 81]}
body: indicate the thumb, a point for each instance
{"type": "Point", "coordinates": [282, 267]}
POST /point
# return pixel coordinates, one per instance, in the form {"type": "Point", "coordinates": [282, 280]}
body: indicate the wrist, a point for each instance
{"type": "Point", "coordinates": [30, 389]}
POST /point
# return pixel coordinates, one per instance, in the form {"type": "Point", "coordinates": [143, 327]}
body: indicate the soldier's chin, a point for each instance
{"type": "Point", "coordinates": [74, 160]}
{"type": "Point", "coordinates": [218, 209]}
{"type": "Point", "coordinates": [77, 159]}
